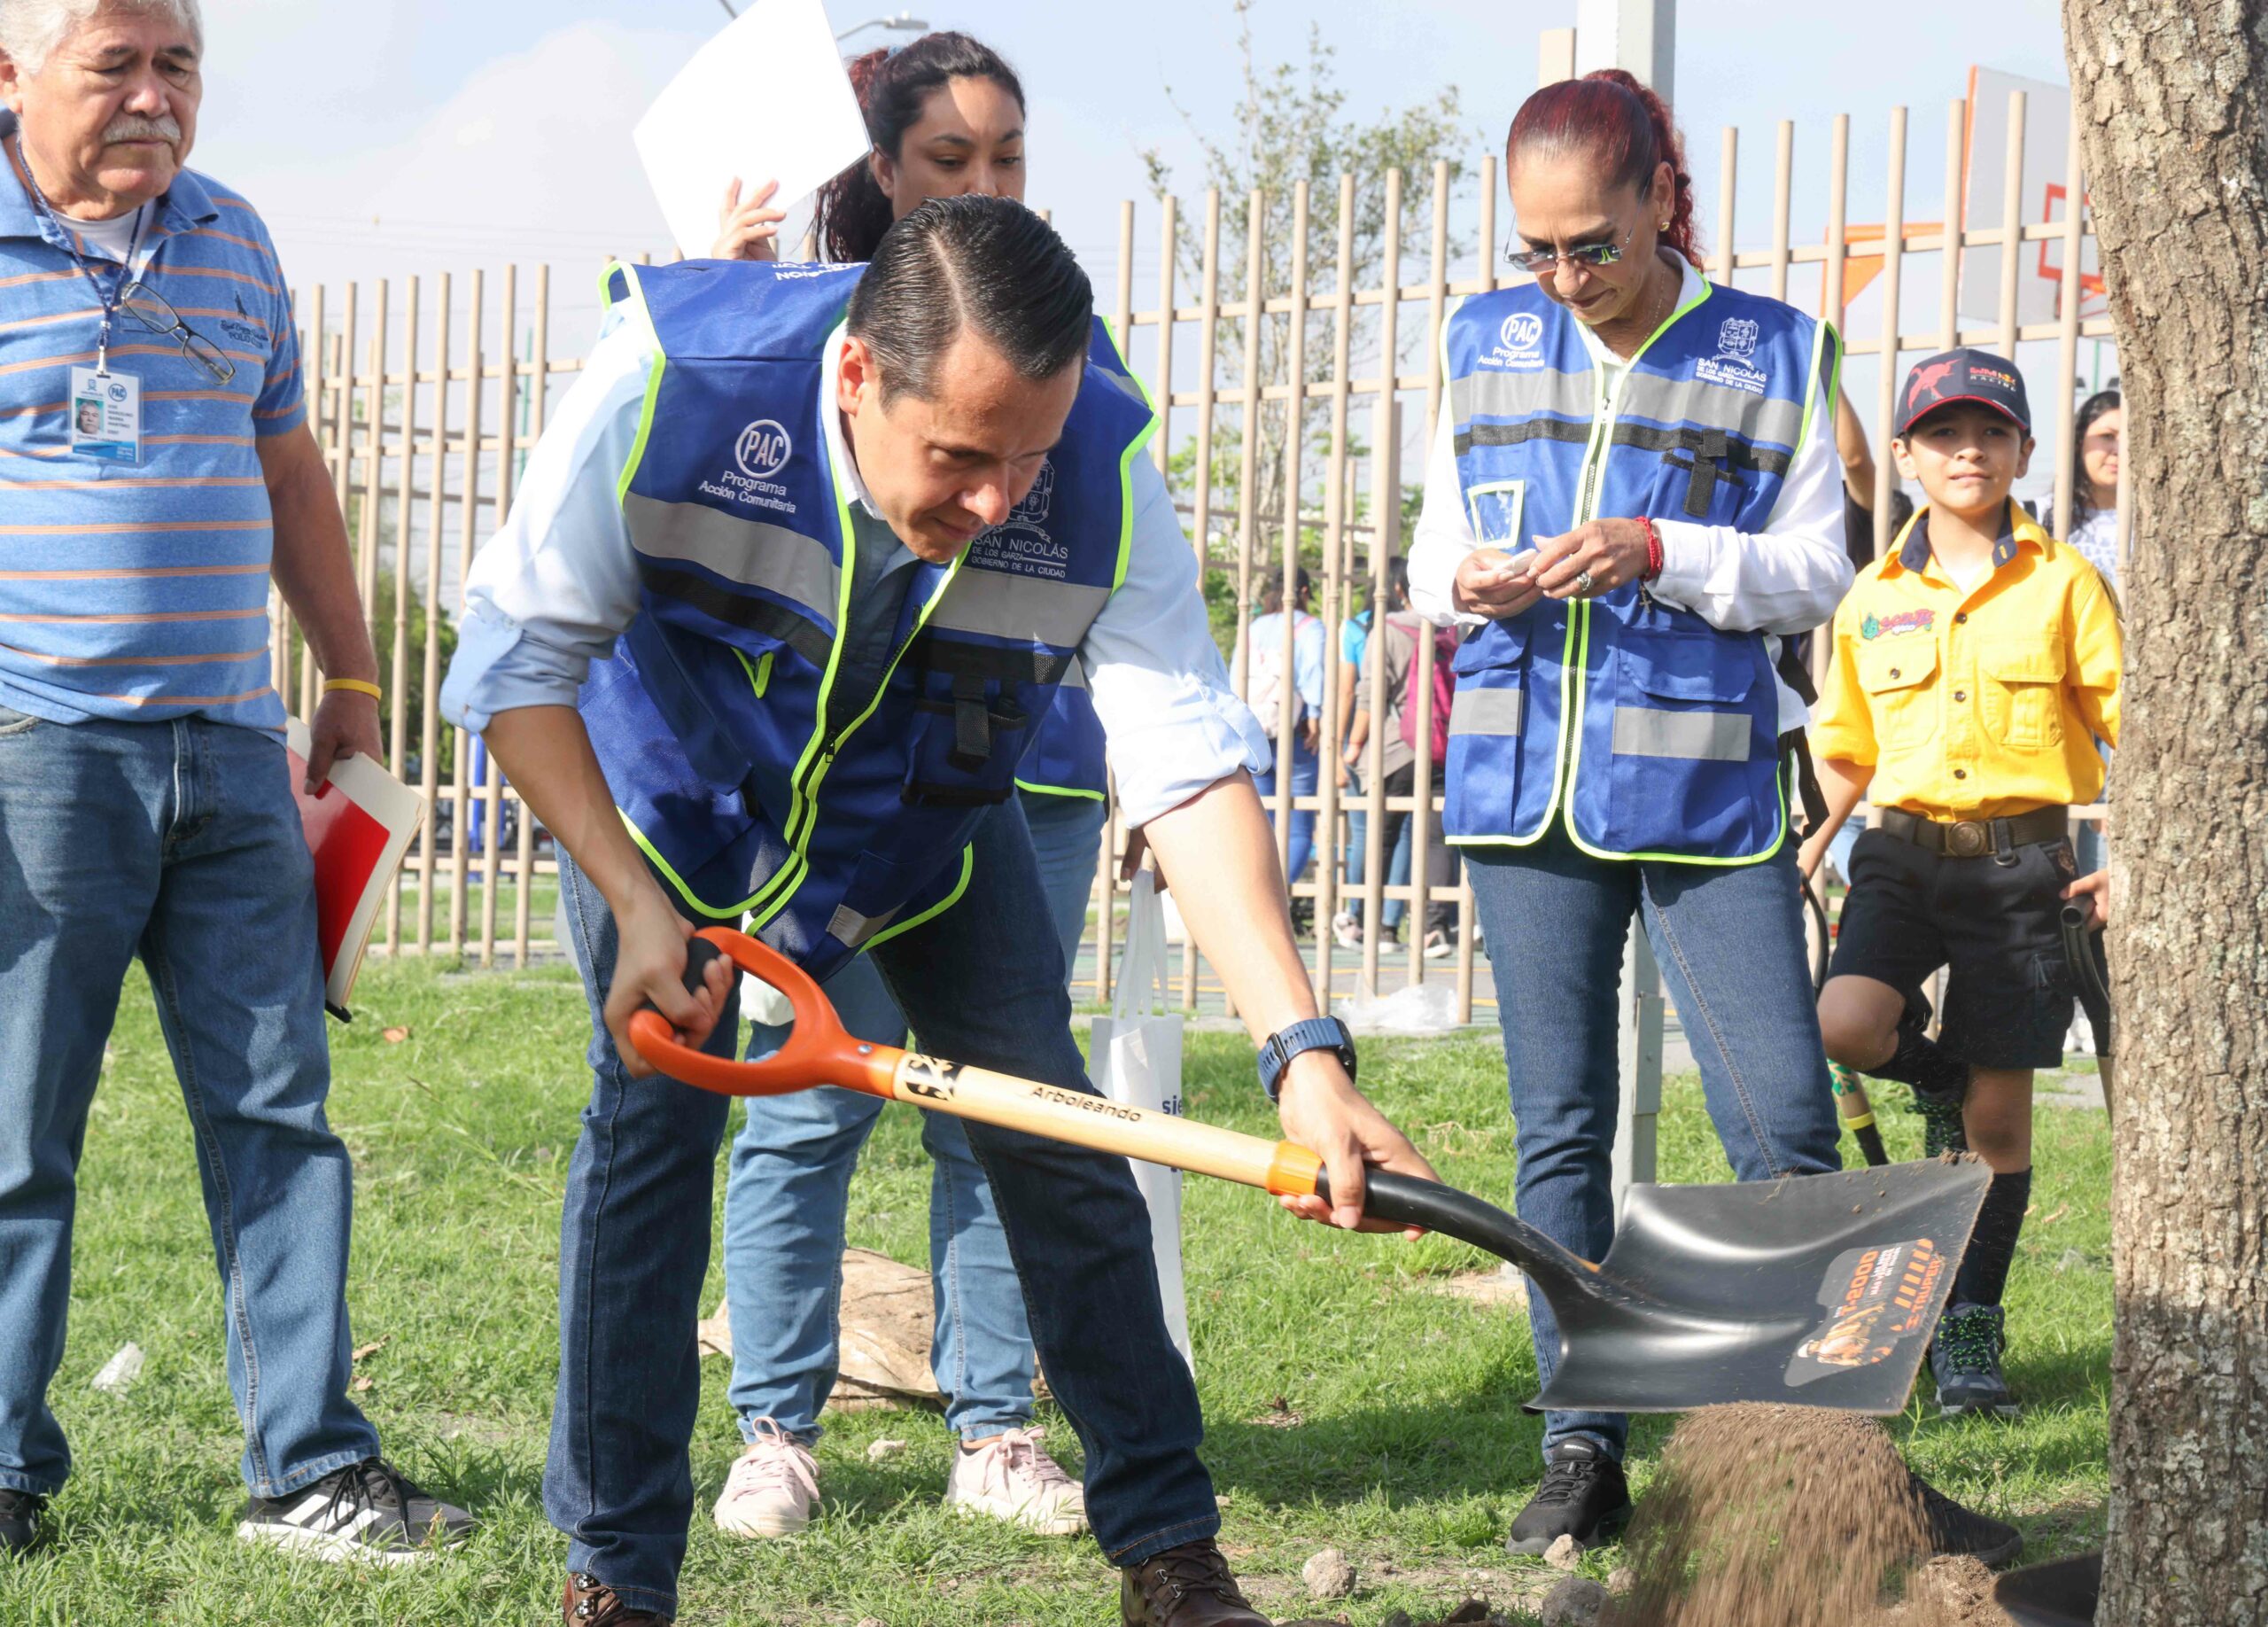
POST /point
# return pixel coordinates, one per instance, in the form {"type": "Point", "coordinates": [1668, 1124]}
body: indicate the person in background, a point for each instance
{"type": "Point", "coordinates": [1354, 633]}
{"type": "Point", "coordinates": [1642, 778]}
{"type": "Point", "coordinates": [146, 805]}
{"type": "Point", "coordinates": [1262, 645]}
{"type": "Point", "coordinates": [945, 114]}
{"type": "Point", "coordinates": [1393, 647]}
{"type": "Point", "coordinates": [1974, 667]}
{"type": "Point", "coordinates": [2097, 433]}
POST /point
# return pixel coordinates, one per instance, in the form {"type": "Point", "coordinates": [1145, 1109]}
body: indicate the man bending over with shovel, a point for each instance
{"type": "Point", "coordinates": [849, 526]}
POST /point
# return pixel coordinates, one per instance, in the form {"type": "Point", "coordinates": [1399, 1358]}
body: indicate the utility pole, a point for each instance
{"type": "Point", "coordinates": [1637, 34]}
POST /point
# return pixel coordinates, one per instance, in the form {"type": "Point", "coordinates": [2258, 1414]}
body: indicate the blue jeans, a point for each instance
{"type": "Point", "coordinates": [788, 1191]}
{"type": "Point", "coordinates": [1305, 778]}
{"type": "Point", "coordinates": [178, 842]}
{"type": "Point", "coordinates": [1358, 861]}
{"type": "Point", "coordinates": [1730, 945]}
{"type": "Point", "coordinates": [982, 984]}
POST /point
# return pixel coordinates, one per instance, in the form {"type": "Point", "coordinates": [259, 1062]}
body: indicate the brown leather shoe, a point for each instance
{"type": "Point", "coordinates": [590, 1602]}
{"type": "Point", "coordinates": [1188, 1586]}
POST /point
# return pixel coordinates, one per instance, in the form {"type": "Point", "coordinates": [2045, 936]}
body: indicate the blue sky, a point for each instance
{"type": "Point", "coordinates": [405, 135]}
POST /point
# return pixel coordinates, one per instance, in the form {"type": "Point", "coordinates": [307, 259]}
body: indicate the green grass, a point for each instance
{"type": "Point", "coordinates": [1413, 1452]}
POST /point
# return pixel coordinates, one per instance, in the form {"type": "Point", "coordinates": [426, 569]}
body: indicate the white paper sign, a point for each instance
{"type": "Point", "coordinates": [766, 100]}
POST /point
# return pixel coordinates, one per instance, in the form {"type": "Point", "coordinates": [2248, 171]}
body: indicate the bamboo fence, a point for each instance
{"type": "Point", "coordinates": [427, 413]}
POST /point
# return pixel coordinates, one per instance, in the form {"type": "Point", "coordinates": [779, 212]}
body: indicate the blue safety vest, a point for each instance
{"type": "Point", "coordinates": [759, 778]}
{"type": "Point", "coordinates": [1065, 757]}
{"type": "Point", "coordinates": [1656, 734]}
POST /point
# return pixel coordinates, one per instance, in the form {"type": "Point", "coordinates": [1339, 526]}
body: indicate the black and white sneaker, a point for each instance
{"type": "Point", "coordinates": [369, 1513]}
{"type": "Point", "coordinates": [20, 1521]}
{"type": "Point", "coordinates": [1583, 1495]}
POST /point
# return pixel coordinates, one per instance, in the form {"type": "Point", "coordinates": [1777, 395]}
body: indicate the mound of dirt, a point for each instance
{"type": "Point", "coordinates": [1771, 1516]}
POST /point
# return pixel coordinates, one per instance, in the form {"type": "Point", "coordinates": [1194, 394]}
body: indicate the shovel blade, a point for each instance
{"type": "Point", "coordinates": [1820, 1290]}
{"type": "Point", "coordinates": [2060, 1594]}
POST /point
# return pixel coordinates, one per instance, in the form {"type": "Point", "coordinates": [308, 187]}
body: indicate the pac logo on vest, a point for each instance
{"type": "Point", "coordinates": [764, 449]}
{"type": "Point", "coordinates": [1519, 342]}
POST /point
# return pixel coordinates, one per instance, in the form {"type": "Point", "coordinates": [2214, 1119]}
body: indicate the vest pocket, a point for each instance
{"type": "Point", "coordinates": [1684, 768]}
{"type": "Point", "coordinates": [2021, 677]}
{"type": "Point", "coordinates": [966, 748]}
{"type": "Point", "coordinates": [1485, 767]}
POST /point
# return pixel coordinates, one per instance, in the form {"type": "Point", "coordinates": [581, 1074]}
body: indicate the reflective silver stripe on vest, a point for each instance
{"type": "Point", "coordinates": [1025, 608]}
{"type": "Point", "coordinates": [1074, 674]}
{"type": "Point", "coordinates": [847, 926]}
{"type": "Point", "coordinates": [1699, 736]}
{"type": "Point", "coordinates": [1520, 396]}
{"type": "Point", "coordinates": [1487, 711]}
{"type": "Point", "coordinates": [1690, 401]}
{"type": "Point", "coordinates": [749, 552]}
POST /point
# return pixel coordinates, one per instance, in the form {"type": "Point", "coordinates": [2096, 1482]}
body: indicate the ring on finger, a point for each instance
{"type": "Point", "coordinates": [1582, 581]}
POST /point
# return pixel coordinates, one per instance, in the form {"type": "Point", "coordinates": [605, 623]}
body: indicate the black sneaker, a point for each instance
{"type": "Point", "coordinates": [19, 1523]}
{"type": "Point", "coordinates": [369, 1512]}
{"type": "Point", "coordinates": [1966, 1358]}
{"type": "Point", "coordinates": [1955, 1531]}
{"type": "Point", "coordinates": [1583, 1495]}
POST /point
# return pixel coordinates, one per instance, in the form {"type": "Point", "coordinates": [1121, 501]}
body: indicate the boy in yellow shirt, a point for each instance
{"type": "Point", "coordinates": [1974, 667]}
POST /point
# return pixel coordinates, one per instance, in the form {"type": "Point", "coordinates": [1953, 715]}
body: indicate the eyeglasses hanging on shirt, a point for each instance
{"type": "Point", "coordinates": [105, 407]}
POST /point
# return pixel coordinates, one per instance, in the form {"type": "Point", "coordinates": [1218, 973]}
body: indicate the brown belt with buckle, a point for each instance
{"type": "Point", "coordinates": [1976, 838]}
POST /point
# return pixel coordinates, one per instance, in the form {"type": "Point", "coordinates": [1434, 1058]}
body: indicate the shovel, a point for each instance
{"type": "Point", "coordinates": [1820, 1290]}
{"type": "Point", "coordinates": [2061, 1594]}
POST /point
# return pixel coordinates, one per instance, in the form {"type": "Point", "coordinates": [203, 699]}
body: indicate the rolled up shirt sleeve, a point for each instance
{"type": "Point", "coordinates": [558, 582]}
{"type": "Point", "coordinates": [1173, 724]}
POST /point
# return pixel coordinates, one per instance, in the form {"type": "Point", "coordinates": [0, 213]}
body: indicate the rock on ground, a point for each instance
{"type": "Point", "coordinates": [1575, 1602]}
{"type": "Point", "coordinates": [1328, 1575]}
{"type": "Point", "coordinates": [1564, 1554]}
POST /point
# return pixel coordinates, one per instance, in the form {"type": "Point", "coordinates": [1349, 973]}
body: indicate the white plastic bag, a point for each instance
{"type": "Point", "coordinates": [1134, 1058]}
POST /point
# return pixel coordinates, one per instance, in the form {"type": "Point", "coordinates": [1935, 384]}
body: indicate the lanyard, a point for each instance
{"type": "Point", "coordinates": [109, 300]}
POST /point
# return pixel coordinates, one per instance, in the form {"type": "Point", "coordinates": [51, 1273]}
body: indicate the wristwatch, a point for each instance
{"type": "Point", "coordinates": [1313, 1034]}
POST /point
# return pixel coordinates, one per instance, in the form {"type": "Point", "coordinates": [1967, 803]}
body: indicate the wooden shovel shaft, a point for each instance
{"type": "Point", "coordinates": [1093, 1122]}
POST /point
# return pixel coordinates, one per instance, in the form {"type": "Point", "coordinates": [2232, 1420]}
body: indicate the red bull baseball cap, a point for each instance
{"type": "Point", "coordinates": [1963, 375]}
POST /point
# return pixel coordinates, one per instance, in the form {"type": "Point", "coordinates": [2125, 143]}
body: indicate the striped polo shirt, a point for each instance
{"type": "Point", "coordinates": [139, 591]}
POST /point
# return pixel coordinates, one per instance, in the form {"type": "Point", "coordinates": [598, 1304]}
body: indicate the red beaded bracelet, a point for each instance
{"type": "Point", "coordinates": [1653, 550]}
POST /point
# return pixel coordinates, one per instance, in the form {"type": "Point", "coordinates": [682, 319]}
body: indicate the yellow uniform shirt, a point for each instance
{"type": "Point", "coordinates": [1974, 704]}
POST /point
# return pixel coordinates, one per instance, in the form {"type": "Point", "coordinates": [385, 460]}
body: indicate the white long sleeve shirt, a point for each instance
{"type": "Point", "coordinates": [1785, 580]}
{"type": "Point", "coordinates": [558, 584]}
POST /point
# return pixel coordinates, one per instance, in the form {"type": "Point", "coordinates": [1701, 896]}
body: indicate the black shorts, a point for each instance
{"type": "Point", "coordinates": [1998, 927]}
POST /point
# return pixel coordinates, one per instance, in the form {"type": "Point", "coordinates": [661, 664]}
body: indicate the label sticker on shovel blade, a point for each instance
{"type": "Point", "coordinates": [1878, 1298]}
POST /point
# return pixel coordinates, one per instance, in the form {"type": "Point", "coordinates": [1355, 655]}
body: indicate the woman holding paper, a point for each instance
{"type": "Point", "coordinates": [946, 116]}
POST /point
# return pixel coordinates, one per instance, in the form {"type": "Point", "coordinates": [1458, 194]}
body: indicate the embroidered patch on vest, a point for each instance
{"type": "Point", "coordinates": [1733, 365]}
{"type": "Point", "coordinates": [1519, 343]}
{"type": "Point", "coordinates": [1905, 621]}
{"type": "Point", "coordinates": [761, 451]}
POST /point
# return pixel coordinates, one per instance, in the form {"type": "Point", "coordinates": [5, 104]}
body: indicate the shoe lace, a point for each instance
{"type": "Point", "coordinates": [775, 1461]}
{"type": "Point", "coordinates": [1971, 1341]}
{"type": "Point", "coordinates": [1198, 1568]}
{"type": "Point", "coordinates": [1015, 1451]}
{"type": "Point", "coordinates": [1565, 1480]}
{"type": "Point", "coordinates": [371, 1483]}
{"type": "Point", "coordinates": [14, 1502]}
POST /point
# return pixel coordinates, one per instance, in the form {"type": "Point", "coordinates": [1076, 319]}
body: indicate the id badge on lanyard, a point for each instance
{"type": "Point", "coordinates": [106, 415]}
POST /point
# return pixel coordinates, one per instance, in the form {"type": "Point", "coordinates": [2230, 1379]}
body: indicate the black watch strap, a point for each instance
{"type": "Point", "coordinates": [1312, 1034]}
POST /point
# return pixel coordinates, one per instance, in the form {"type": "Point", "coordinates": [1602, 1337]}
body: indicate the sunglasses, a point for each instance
{"type": "Point", "coordinates": [1593, 255]}
{"type": "Point", "coordinates": [147, 306]}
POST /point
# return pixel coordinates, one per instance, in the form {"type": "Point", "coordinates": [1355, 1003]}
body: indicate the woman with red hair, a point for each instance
{"type": "Point", "coordinates": [1634, 497]}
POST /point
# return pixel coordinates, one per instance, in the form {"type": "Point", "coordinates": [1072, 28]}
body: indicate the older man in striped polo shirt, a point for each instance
{"type": "Point", "coordinates": [156, 471]}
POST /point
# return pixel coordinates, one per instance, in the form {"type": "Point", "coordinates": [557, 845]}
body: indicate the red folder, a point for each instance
{"type": "Point", "coordinates": [359, 822]}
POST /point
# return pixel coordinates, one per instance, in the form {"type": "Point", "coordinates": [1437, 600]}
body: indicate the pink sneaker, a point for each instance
{"type": "Point", "coordinates": [1011, 1477]}
{"type": "Point", "coordinates": [772, 1488]}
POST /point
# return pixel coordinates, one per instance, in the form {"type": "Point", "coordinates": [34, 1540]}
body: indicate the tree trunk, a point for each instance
{"type": "Point", "coordinates": [2172, 100]}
